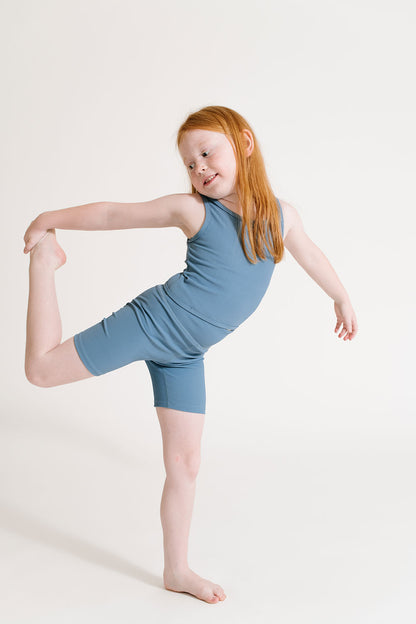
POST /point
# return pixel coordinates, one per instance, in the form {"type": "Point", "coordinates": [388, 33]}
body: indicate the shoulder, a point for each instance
{"type": "Point", "coordinates": [191, 213]}
{"type": "Point", "coordinates": [291, 217]}
{"type": "Point", "coordinates": [182, 210]}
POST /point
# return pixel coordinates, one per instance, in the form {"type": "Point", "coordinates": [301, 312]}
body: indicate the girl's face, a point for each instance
{"type": "Point", "coordinates": [206, 153]}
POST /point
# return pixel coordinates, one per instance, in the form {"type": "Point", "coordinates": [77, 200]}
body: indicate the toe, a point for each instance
{"type": "Point", "coordinates": [218, 591]}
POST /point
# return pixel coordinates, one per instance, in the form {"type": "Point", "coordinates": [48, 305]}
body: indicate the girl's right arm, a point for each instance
{"type": "Point", "coordinates": [92, 216]}
{"type": "Point", "coordinates": [167, 211]}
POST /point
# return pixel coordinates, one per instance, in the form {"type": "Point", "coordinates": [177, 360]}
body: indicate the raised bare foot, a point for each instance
{"type": "Point", "coordinates": [190, 583]}
{"type": "Point", "coordinates": [49, 250]}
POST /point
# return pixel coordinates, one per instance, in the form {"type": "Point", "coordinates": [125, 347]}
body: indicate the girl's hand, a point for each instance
{"type": "Point", "coordinates": [34, 233]}
{"type": "Point", "coordinates": [345, 315]}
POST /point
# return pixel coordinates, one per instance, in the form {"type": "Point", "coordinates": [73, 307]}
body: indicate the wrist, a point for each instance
{"type": "Point", "coordinates": [342, 299]}
{"type": "Point", "coordinates": [42, 221]}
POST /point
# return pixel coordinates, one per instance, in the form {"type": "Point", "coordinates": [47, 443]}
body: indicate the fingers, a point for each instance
{"type": "Point", "coordinates": [28, 247]}
{"type": "Point", "coordinates": [349, 330]}
{"type": "Point", "coordinates": [345, 317]}
{"type": "Point", "coordinates": [30, 244]}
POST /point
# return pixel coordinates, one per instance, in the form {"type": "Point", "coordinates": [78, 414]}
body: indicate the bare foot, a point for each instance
{"type": "Point", "coordinates": [191, 583]}
{"type": "Point", "coordinates": [49, 250]}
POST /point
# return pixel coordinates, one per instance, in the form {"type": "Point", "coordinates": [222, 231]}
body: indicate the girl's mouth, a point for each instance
{"type": "Point", "coordinates": [211, 180]}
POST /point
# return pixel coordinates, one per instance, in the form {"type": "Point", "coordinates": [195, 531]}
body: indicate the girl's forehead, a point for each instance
{"type": "Point", "coordinates": [193, 140]}
{"type": "Point", "coordinates": [199, 132]}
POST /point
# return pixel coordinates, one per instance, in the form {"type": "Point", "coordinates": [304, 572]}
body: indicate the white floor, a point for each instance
{"type": "Point", "coordinates": [292, 536]}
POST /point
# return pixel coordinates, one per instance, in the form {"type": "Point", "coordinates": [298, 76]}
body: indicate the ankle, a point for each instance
{"type": "Point", "coordinates": [40, 261]}
{"type": "Point", "coordinates": [176, 570]}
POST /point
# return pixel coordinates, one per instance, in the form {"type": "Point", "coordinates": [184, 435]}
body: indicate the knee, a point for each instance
{"type": "Point", "coordinates": [183, 465]}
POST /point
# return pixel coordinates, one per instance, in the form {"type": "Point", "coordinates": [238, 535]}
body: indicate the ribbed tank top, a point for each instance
{"type": "Point", "coordinates": [219, 284]}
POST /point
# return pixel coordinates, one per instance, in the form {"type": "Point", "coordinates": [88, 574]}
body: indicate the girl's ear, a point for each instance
{"type": "Point", "coordinates": [248, 138]}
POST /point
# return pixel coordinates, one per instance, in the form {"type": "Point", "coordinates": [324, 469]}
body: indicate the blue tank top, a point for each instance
{"type": "Point", "coordinates": [219, 284]}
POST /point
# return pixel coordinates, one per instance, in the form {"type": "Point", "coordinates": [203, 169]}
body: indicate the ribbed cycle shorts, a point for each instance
{"type": "Point", "coordinates": [172, 341]}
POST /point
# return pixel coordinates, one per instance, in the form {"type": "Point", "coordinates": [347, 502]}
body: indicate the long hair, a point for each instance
{"type": "Point", "coordinates": [252, 184]}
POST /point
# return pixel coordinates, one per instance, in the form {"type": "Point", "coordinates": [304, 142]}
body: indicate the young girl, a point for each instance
{"type": "Point", "coordinates": [236, 231]}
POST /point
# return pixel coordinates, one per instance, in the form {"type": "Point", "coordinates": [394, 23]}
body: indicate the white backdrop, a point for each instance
{"type": "Point", "coordinates": [93, 95]}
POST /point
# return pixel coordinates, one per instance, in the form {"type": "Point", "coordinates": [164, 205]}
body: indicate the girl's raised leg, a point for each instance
{"type": "Point", "coordinates": [47, 361]}
{"type": "Point", "coordinates": [181, 434]}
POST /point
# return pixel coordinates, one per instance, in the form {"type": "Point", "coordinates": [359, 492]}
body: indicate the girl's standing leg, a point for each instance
{"type": "Point", "coordinates": [181, 435]}
{"type": "Point", "coordinates": [47, 361]}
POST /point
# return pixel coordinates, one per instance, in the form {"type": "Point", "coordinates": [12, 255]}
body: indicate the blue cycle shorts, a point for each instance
{"type": "Point", "coordinates": [172, 341]}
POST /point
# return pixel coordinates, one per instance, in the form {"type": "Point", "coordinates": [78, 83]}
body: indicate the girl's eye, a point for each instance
{"type": "Point", "coordinates": [190, 166]}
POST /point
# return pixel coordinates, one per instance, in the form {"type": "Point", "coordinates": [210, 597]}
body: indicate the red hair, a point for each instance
{"type": "Point", "coordinates": [252, 184]}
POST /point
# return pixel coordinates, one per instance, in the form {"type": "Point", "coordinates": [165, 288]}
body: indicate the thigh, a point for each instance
{"type": "Point", "coordinates": [143, 329]}
{"type": "Point", "coordinates": [115, 341]}
{"type": "Point", "coordinates": [61, 365]}
{"type": "Point", "coordinates": [179, 385]}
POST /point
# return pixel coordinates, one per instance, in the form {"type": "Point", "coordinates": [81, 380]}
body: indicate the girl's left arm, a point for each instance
{"type": "Point", "coordinates": [317, 266]}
